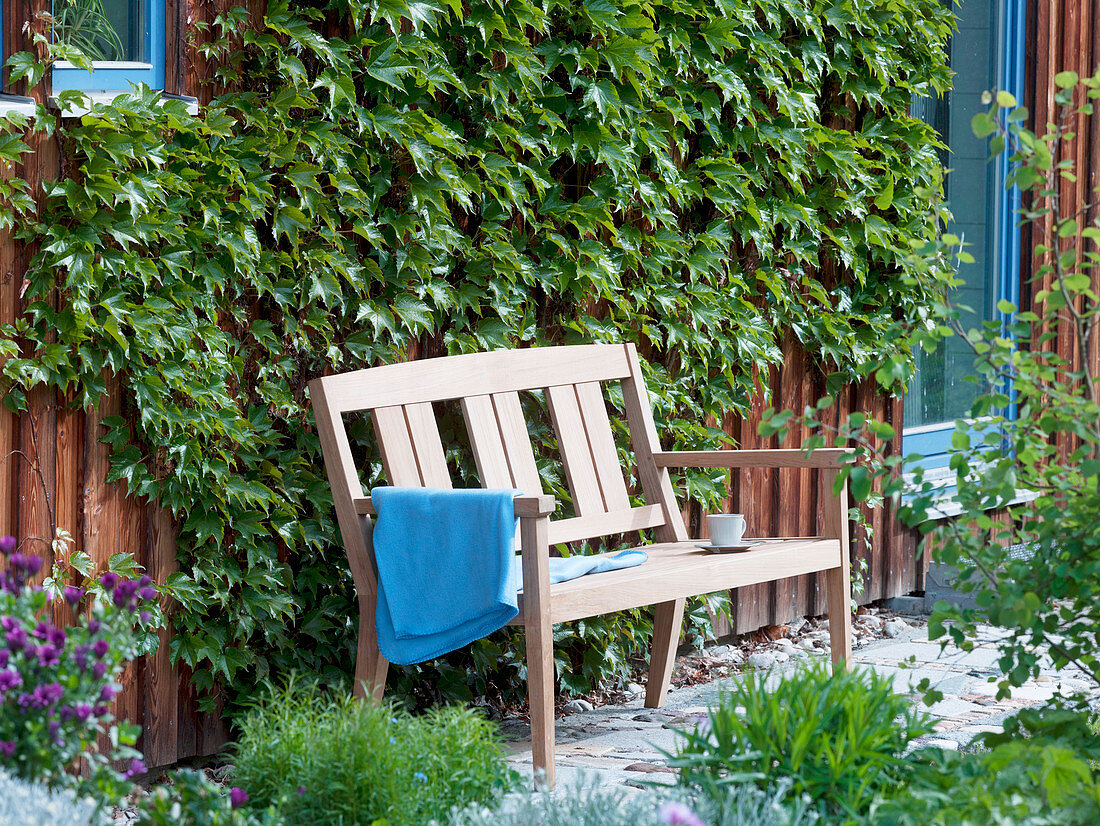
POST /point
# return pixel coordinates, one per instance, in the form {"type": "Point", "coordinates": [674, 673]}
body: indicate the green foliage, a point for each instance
{"type": "Point", "coordinates": [192, 798]}
{"type": "Point", "coordinates": [839, 739]}
{"type": "Point", "coordinates": [393, 177]}
{"type": "Point", "coordinates": [321, 760]}
{"type": "Point", "coordinates": [1048, 597]}
{"type": "Point", "coordinates": [588, 805]}
{"type": "Point", "coordinates": [1036, 772]}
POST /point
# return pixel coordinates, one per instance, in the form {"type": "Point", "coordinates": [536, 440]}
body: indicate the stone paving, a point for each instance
{"type": "Point", "coordinates": [621, 744]}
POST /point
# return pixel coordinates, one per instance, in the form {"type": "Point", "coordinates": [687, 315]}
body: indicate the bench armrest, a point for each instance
{"type": "Point", "coordinates": [823, 457]}
{"type": "Point", "coordinates": [526, 506]}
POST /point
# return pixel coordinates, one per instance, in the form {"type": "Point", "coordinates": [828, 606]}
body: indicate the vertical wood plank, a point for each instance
{"type": "Point", "coordinates": [398, 457]}
{"type": "Point", "coordinates": [517, 443]}
{"type": "Point", "coordinates": [160, 713]}
{"type": "Point", "coordinates": [424, 434]}
{"type": "Point", "coordinates": [486, 442]}
{"type": "Point", "coordinates": [576, 454]}
{"type": "Point", "coordinates": [597, 425]}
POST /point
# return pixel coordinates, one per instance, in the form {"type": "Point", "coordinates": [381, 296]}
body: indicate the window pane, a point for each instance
{"type": "Point", "coordinates": [103, 29]}
{"type": "Point", "coordinates": [939, 393]}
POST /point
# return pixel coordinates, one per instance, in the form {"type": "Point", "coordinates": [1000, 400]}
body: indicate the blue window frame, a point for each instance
{"type": "Point", "coordinates": [125, 38]}
{"type": "Point", "coordinates": [986, 53]}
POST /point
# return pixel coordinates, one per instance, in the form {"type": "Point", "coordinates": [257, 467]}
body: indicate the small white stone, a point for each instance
{"type": "Point", "coordinates": [784, 644]}
{"type": "Point", "coordinates": [576, 706]}
{"type": "Point", "coordinates": [634, 689]}
{"type": "Point", "coordinates": [895, 628]}
{"type": "Point", "coordinates": [762, 659]}
{"type": "Point", "coordinates": [782, 657]}
{"type": "Point", "coordinates": [807, 645]}
{"type": "Point", "coordinates": [798, 624]}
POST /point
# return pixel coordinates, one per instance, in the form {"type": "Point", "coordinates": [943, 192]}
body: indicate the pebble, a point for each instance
{"type": "Point", "coordinates": [782, 657]}
{"type": "Point", "coordinates": [949, 745]}
{"type": "Point", "coordinates": [798, 625]}
{"type": "Point", "coordinates": [761, 659]}
{"type": "Point", "coordinates": [784, 644]}
{"type": "Point", "coordinates": [576, 706]}
{"type": "Point", "coordinates": [634, 689]}
{"type": "Point", "coordinates": [895, 628]}
{"type": "Point", "coordinates": [807, 645]}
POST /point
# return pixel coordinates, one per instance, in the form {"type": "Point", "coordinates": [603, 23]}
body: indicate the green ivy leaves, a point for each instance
{"type": "Point", "coordinates": [683, 174]}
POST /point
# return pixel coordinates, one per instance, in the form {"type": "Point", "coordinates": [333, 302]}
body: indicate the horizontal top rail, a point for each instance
{"type": "Point", "coordinates": [474, 374]}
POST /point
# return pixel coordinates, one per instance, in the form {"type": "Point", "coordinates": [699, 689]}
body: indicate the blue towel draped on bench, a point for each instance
{"type": "Point", "coordinates": [447, 569]}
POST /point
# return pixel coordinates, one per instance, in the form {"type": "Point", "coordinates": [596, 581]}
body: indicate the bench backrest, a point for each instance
{"type": "Point", "coordinates": [487, 385]}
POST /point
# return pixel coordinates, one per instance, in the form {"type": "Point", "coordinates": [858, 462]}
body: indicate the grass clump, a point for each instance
{"type": "Point", "coordinates": [330, 759]}
{"type": "Point", "coordinates": [838, 738]}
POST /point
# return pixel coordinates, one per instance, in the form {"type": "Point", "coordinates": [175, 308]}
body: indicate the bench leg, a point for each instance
{"type": "Point", "coordinates": [370, 665]}
{"type": "Point", "coordinates": [540, 699]}
{"type": "Point", "coordinates": [667, 617]}
{"type": "Point", "coordinates": [838, 594]}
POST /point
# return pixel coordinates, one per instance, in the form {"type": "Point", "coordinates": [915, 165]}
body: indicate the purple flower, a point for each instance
{"type": "Point", "coordinates": [99, 711]}
{"type": "Point", "coordinates": [124, 593]}
{"type": "Point", "coordinates": [301, 790]}
{"type": "Point", "coordinates": [145, 617]}
{"type": "Point", "coordinates": [137, 766]}
{"type": "Point", "coordinates": [73, 595]}
{"type": "Point", "coordinates": [9, 679]}
{"type": "Point", "coordinates": [82, 711]}
{"type": "Point", "coordinates": [100, 649]}
{"type": "Point", "coordinates": [148, 593]}
{"type": "Point", "coordinates": [7, 747]}
{"type": "Point", "coordinates": [237, 797]}
{"type": "Point", "coordinates": [54, 728]}
{"type": "Point", "coordinates": [98, 670]}
{"type": "Point", "coordinates": [7, 545]}
{"type": "Point", "coordinates": [48, 655]}
{"type": "Point", "coordinates": [5, 657]}
{"type": "Point", "coordinates": [27, 563]}
{"type": "Point", "coordinates": [94, 626]}
{"type": "Point", "coordinates": [16, 637]}
{"type": "Point", "coordinates": [109, 580]}
{"type": "Point", "coordinates": [56, 636]}
{"type": "Point", "coordinates": [677, 814]}
{"type": "Point", "coordinates": [107, 693]}
{"type": "Point", "coordinates": [80, 656]}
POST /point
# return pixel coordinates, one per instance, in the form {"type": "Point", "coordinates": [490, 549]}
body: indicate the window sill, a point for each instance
{"type": "Point", "coordinates": [16, 105]}
{"type": "Point", "coordinates": [79, 110]}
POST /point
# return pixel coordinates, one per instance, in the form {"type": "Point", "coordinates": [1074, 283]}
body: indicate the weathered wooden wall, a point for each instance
{"type": "Point", "coordinates": [63, 443]}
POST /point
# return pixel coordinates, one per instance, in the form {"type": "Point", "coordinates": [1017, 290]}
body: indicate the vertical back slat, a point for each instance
{"type": "Point", "coordinates": [517, 443]}
{"type": "Point", "coordinates": [643, 437]}
{"type": "Point", "coordinates": [395, 444]}
{"type": "Point", "coordinates": [580, 470]}
{"type": "Point", "coordinates": [427, 446]}
{"type": "Point", "coordinates": [609, 472]}
{"type": "Point", "coordinates": [486, 442]}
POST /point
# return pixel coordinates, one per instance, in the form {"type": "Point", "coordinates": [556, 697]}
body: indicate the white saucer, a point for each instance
{"type": "Point", "coordinates": [746, 545]}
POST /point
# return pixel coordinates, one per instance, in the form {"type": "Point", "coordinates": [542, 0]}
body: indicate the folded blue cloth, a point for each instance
{"type": "Point", "coordinates": [563, 569]}
{"type": "Point", "coordinates": [445, 568]}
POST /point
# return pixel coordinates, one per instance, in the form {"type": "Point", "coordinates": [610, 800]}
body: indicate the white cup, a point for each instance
{"type": "Point", "coordinates": [726, 529]}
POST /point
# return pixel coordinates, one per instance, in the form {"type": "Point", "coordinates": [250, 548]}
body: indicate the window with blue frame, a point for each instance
{"type": "Point", "coordinates": [986, 53]}
{"type": "Point", "coordinates": [124, 39]}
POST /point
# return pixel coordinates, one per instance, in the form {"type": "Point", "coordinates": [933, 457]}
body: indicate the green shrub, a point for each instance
{"type": "Point", "coordinates": [330, 760]}
{"type": "Point", "coordinates": [33, 804]}
{"type": "Point", "coordinates": [192, 799]}
{"type": "Point", "coordinates": [588, 805]}
{"type": "Point", "coordinates": [838, 738]}
{"type": "Point", "coordinates": [1040, 770]}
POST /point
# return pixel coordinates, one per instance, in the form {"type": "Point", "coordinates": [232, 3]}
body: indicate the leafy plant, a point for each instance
{"type": "Point", "coordinates": [194, 799]}
{"type": "Point", "coordinates": [589, 805]}
{"type": "Point", "coordinates": [84, 25]}
{"type": "Point", "coordinates": [1034, 427]}
{"type": "Point", "coordinates": [322, 759]}
{"type": "Point", "coordinates": [23, 803]}
{"type": "Point", "coordinates": [840, 739]}
{"type": "Point", "coordinates": [1036, 771]}
{"type": "Point", "coordinates": [56, 682]}
{"type": "Point", "coordinates": [378, 180]}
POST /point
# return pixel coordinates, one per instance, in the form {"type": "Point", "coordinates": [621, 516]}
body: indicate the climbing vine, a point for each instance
{"type": "Point", "coordinates": [400, 176]}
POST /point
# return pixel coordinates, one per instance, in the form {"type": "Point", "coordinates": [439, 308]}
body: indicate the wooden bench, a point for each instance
{"type": "Point", "coordinates": [400, 399]}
